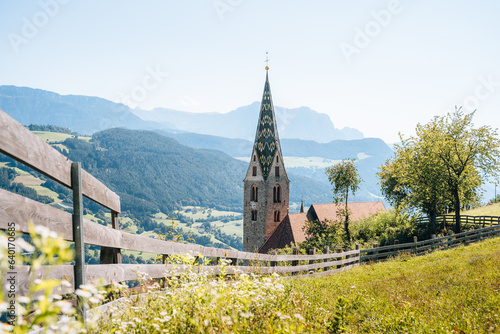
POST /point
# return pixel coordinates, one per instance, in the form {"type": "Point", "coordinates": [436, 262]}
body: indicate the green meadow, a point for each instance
{"type": "Point", "coordinates": [454, 291]}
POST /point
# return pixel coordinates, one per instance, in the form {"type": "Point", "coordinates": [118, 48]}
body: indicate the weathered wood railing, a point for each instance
{"type": "Point", "coordinates": [426, 246]}
{"type": "Point", "coordinates": [20, 144]}
{"type": "Point", "coordinates": [448, 221]}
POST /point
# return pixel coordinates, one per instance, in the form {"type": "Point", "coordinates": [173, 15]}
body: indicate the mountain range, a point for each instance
{"type": "Point", "coordinates": [300, 123]}
{"type": "Point", "coordinates": [305, 158]}
{"type": "Point", "coordinates": [87, 115]}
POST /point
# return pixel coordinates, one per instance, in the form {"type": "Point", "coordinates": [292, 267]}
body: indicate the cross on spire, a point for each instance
{"type": "Point", "coordinates": [267, 60]}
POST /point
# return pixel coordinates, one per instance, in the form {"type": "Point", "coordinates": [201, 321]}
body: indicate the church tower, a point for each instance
{"type": "Point", "coordinates": [266, 184]}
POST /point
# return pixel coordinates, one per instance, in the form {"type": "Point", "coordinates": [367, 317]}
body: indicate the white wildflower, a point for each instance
{"type": "Point", "coordinates": [42, 231]}
{"type": "Point", "coordinates": [21, 243]}
{"type": "Point", "coordinates": [24, 299]}
{"type": "Point", "coordinates": [89, 287]}
{"type": "Point", "coordinates": [6, 328]}
{"type": "Point", "coordinates": [66, 307]}
{"type": "Point", "coordinates": [247, 314]}
{"type": "Point", "coordinates": [83, 293]}
{"type": "Point", "coordinates": [94, 300]}
{"type": "Point", "coordinates": [3, 307]}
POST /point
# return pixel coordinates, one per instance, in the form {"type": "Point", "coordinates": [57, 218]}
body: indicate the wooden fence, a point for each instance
{"type": "Point", "coordinates": [423, 247]}
{"type": "Point", "coordinates": [448, 221]}
{"type": "Point", "coordinates": [22, 145]}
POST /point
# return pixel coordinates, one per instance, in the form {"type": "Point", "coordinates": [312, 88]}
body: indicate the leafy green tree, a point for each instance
{"type": "Point", "coordinates": [412, 179]}
{"type": "Point", "coordinates": [442, 167]}
{"type": "Point", "coordinates": [345, 179]}
{"type": "Point", "coordinates": [323, 233]}
{"type": "Point", "coordinates": [469, 156]}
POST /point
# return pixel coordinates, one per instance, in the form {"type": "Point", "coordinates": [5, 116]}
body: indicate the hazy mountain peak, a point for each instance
{"type": "Point", "coordinates": [88, 114]}
{"type": "Point", "coordinates": [302, 123]}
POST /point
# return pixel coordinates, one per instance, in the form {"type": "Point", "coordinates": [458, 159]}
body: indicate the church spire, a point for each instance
{"type": "Point", "coordinates": [266, 138]}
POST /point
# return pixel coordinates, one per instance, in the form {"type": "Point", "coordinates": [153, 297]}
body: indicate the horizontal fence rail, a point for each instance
{"type": "Point", "coordinates": [24, 146]}
{"type": "Point", "coordinates": [426, 246]}
{"type": "Point", "coordinates": [465, 220]}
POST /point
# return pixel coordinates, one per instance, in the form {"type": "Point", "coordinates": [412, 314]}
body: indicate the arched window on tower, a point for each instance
{"type": "Point", "coordinates": [254, 194]}
{"type": "Point", "coordinates": [254, 171]}
{"type": "Point", "coordinates": [277, 194]}
{"type": "Point", "coordinates": [254, 215]}
{"type": "Point", "coordinates": [277, 216]}
{"type": "Point", "coordinates": [277, 170]}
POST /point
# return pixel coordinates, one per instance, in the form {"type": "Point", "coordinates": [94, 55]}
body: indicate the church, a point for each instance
{"type": "Point", "coordinates": [267, 223]}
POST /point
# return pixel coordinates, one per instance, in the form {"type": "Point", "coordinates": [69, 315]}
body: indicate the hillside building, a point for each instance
{"type": "Point", "coordinates": [266, 184]}
{"type": "Point", "coordinates": [266, 221]}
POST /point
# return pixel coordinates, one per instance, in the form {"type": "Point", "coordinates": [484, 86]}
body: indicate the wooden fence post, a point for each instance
{"type": "Point", "coordinates": [449, 239]}
{"type": "Point", "coordinates": [466, 239]}
{"type": "Point", "coordinates": [274, 263]}
{"type": "Point", "coordinates": [111, 255]}
{"type": "Point", "coordinates": [339, 250]}
{"type": "Point", "coordinates": [346, 249]}
{"type": "Point", "coordinates": [312, 251]}
{"type": "Point", "coordinates": [415, 240]}
{"type": "Point", "coordinates": [358, 247]}
{"type": "Point", "coordinates": [433, 236]}
{"type": "Point", "coordinates": [375, 251]}
{"type": "Point", "coordinates": [327, 251]}
{"type": "Point", "coordinates": [76, 185]}
{"type": "Point", "coordinates": [480, 234]}
{"type": "Point", "coordinates": [295, 262]}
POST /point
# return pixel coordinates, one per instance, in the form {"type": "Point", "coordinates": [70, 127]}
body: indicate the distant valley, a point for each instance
{"type": "Point", "coordinates": [160, 169]}
{"type": "Point", "coordinates": [89, 115]}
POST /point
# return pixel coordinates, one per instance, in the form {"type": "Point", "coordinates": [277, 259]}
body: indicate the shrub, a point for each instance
{"type": "Point", "coordinates": [385, 228]}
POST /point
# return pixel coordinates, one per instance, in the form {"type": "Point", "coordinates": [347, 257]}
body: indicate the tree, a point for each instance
{"type": "Point", "coordinates": [469, 156]}
{"type": "Point", "coordinates": [344, 178]}
{"type": "Point", "coordinates": [442, 167]}
{"type": "Point", "coordinates": [322, 233]}
{"type": "Point", "coordinates": [412, 179]}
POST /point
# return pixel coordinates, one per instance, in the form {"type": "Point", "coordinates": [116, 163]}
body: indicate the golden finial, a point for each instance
{"type": "Point", "coordinates": [267, 60]}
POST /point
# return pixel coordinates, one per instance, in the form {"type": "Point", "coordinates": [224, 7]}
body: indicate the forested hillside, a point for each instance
{"type": "Point", "coordinates": [153, 173]}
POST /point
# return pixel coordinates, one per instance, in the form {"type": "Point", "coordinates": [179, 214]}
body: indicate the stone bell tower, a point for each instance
{"type": "Point", "coordinates": [266, 184]}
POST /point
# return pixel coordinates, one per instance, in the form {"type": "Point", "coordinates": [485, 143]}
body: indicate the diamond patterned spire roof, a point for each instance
{"type": "Point", "coordinates": [266, 138]}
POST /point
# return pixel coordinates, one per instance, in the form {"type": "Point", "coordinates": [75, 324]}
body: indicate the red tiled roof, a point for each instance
{"type": "Point", "coordinates": [291, 228]}
{"type": "Point", "coordinates": [297, 222]}
{"type": "Point", "coordinates": [358, 210]}
{"type": "Point", "coordinates": [288, 231]}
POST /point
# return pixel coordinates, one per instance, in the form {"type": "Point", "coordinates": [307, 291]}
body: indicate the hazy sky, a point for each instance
{"type": "Point", "coordinates": [378, 66]}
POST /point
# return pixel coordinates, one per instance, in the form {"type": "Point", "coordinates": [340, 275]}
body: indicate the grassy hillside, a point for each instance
{"type": "Point", "coordinates": [53, 137]}
{"type": "Point", "coordinates": [455, 291]}
{"type": "Point", "coordinates": [488, 210]}
{"type": "Point", "coordinates": [445, 292]}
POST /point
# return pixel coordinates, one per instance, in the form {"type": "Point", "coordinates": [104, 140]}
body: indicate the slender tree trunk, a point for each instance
{"type": "Point", "coordinates": [346, 225]}
{"type": "Point", "coordinates": [458, 226]}
{"type": "Point", "coordinates": [432, 217]}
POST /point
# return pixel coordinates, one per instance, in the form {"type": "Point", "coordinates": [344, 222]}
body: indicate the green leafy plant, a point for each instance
{"type": "Point", "coordinates": [41, 306]}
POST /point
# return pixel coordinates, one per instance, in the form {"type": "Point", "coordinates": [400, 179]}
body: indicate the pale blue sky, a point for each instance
{"type": "Point", "coordinates": [427, 58]}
